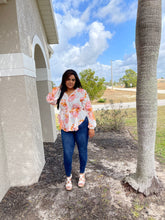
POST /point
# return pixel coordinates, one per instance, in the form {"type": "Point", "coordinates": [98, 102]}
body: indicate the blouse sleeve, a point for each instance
{"type": "Point", "coordinates": [88, 108]}
{"type": "Point", "coordinates": [53, 96]}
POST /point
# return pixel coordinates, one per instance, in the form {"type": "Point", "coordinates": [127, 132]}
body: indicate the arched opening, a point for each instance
{"type": "Point", "coordinates": [39, 58]}
{"type": "Point", "coordinates": [43, 85]}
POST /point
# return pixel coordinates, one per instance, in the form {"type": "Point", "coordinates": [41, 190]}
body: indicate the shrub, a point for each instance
{"type": "Point", "coordinates": [102, 100]}
{"type": "Point", "coordinates": [111, 120]}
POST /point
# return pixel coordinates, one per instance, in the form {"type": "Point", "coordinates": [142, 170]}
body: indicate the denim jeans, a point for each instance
{"type": "Point", "coordinates": [69, 139]}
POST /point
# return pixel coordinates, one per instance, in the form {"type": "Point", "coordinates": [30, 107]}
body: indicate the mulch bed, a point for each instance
{"type": "Point", "coordinates": [111, 156]}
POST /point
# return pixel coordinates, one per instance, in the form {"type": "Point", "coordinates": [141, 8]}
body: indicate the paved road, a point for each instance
{"type": "Point", "coordinates": [134, 90]}
{"type": "Point", "coordinates": [122, 105]}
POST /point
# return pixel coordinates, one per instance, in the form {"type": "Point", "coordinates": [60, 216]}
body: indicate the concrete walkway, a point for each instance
{"type": "Point", "coordinates": [134, 90]}
{"type": "Point", "coordinates": [122, 105]}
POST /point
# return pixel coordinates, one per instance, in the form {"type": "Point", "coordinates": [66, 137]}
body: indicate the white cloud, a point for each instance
{"type": "Point", "coordinates": [68, 6]}
{"type": "Point", "coordinates": [116, 11]}
{"type": "Point", "coordinates": [72, 23]}
{"type": "Point", "coordinates": [96, 45]}
{"type": "Point", "coordinates": [67, 55]}
{"type": "Point", "coordinates": [86, 15]}
{"type": "Point", "coordinates": [69, 26]}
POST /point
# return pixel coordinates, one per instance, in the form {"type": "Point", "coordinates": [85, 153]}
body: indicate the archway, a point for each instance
{"type": "Point", "coordinates": [44, 86]}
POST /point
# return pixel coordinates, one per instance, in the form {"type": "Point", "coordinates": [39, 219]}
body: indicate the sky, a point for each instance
{"type": "Point", "coordinates": [95, 33]}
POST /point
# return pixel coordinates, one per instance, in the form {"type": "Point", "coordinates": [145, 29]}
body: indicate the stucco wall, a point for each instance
{"type": "Point", "coordinates": [9, 36]}
{"type": "Point", "coordinates": [30, 24]}
{"type": "Point", "coordinates": [21, 129]}
{"type": "Point", "coordinates": [21, 141]}
{"type": "Point", "coordinates": [20, 21]}
{"type": "Point", "coordinates": [4, 178]}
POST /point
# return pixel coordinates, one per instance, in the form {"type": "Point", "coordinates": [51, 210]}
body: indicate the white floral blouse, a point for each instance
{"type": "Point", "coordinates": [73, 109]}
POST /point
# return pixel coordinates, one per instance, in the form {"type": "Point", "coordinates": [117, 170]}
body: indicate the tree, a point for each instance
{"type": "Point", "coordinates": [148, 34]}
{"type": "Point", "coordinates": [129, 79]}
{"type": "Point", "coordinates": [92, 84]}
{"type": "Point", "coordinates": [53, 84]}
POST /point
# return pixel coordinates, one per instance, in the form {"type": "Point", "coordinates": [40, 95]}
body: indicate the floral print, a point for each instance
{"type": "Point", "coordinates": [73, 109]}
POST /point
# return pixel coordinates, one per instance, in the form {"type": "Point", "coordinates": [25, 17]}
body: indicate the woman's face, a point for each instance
{"type": "Point", "coordinates": [70, 82]}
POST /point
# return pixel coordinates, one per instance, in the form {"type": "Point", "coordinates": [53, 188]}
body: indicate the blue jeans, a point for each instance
{"type": "Point", "coordinates": [69, 139]}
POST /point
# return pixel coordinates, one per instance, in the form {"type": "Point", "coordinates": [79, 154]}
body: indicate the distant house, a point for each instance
{"type": "Point", "coordinates": [26, 121]}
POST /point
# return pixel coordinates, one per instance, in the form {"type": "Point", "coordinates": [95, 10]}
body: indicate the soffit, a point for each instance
{"type": "Point", "coordinates": [48, 19]}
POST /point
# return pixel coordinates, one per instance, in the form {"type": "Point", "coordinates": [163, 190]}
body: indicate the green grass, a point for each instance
{"type": "Point", "coordinates": [160, 134]}
{"type": "Point", "coordinates": [131, 124]}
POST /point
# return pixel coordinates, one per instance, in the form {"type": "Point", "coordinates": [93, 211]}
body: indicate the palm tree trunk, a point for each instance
{"type": "Point", "coordinates": [148, 34]}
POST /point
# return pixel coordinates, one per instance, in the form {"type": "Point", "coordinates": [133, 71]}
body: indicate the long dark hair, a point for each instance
{"type": "Point", "coordinates": [63, 87]}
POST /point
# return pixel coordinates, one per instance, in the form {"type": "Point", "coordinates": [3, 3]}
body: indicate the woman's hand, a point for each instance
{"type": "Point", "coordinates": [91, 133]}
{"type": "Point", "coordinates": [50, 99]}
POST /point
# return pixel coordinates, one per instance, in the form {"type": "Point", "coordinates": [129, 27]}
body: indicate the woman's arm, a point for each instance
{"type": "Point", "coordinates": [88, 108]}
{"type": "Point", "coordinates": [53, 96]}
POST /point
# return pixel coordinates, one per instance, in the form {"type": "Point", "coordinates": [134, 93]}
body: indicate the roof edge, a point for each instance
{"type": "Point", "coordinates": [48, 20]}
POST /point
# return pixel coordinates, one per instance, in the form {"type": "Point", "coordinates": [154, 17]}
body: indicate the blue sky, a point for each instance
{"type": "Point", "coordinates": [94, 32]}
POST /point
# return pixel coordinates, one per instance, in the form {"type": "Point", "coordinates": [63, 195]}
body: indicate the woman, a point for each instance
{"type": "Point", "coordinates": [77, 122]}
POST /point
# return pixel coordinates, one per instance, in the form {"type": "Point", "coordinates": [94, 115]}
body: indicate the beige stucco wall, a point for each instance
{"type": "Point", "coordinates": [30, 27]}
{"type": "Point", "coordinates": [9, 28]}
{"type": "Point", "coordinates": [23, 144]}
{"type": "Point", "coordinates": [20, 29]}
{"type": "Point", "coordinates": [4, 177]}
{"type": "Point", "coordinates": [23, 95]}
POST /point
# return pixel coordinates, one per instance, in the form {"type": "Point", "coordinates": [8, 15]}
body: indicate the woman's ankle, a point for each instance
{"type": "Point", "coordinates": [68, 184]}
{"type": "Point", "coordinates": [81, 181]}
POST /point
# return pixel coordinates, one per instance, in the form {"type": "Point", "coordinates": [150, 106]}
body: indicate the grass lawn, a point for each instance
{"type": "Point", "coordinates": [160, 133]}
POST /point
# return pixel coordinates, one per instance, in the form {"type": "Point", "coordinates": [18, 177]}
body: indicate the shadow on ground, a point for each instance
{"type": "Point", "coordinates": [111, 156]}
